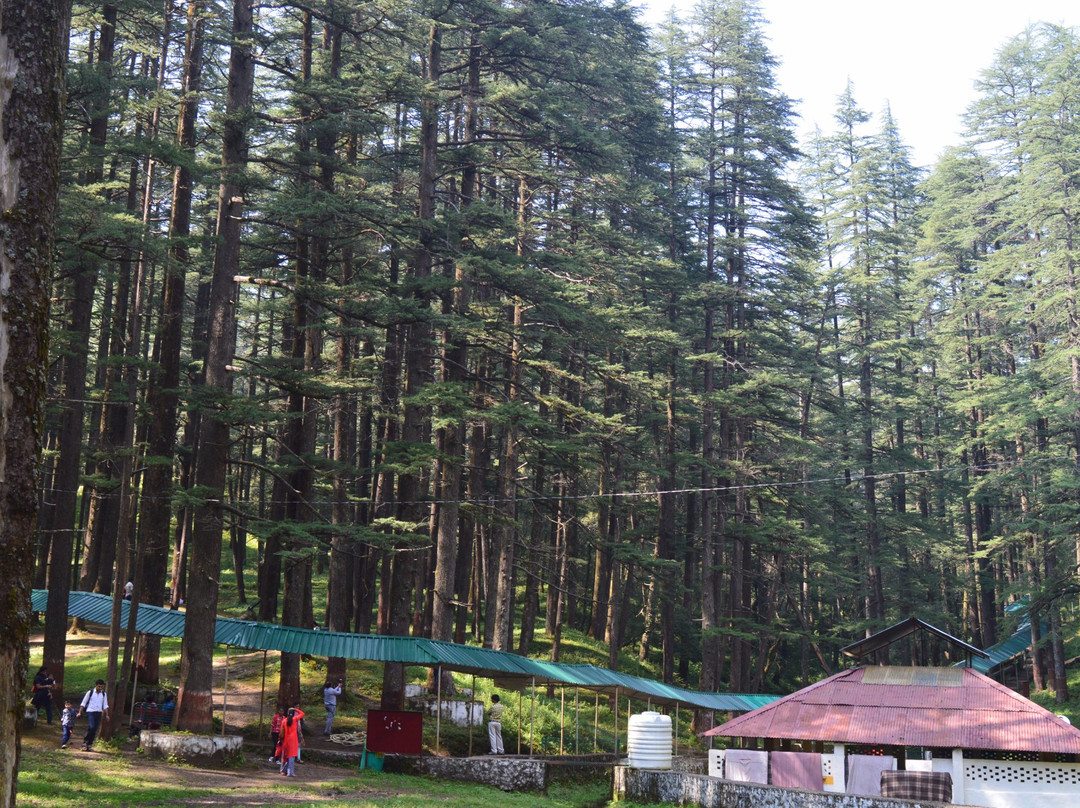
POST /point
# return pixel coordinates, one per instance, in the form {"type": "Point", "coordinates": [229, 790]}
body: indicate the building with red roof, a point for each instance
{"type": "Point", "coordinates": [1001, 749]}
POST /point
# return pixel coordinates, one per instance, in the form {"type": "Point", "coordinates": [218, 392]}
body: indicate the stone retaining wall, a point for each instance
{"type": "Point", "coordinates": [202, 749]}
{"type": "Point", "coordinates": [690, 764]}
{"type": "Point", "coordinates": [504, 772]}
{"type": "Point", "coordinates": [651, 786]}
{"type": "Point", "coordinates": [508, 774]}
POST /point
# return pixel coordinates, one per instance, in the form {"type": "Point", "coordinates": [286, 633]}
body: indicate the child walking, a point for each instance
{"type": "Point", "coordinates": [275, 733]}
{"type": "Point", "coordinates": [67, 723]}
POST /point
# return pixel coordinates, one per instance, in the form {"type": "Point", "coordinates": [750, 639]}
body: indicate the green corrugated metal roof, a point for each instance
{"type": "Point", "coordinates": [500, 665]}
{"type": "Point", "coordinates": [97, 608]}
{"type": "Point", "coordinates": [1020, 640]}
{"type": "Point", "coordinates": [1004, 651]}
{"type": "Point", "coordinates": [293, 640]}
{"type": "Point", "coordinates": [471, 659]}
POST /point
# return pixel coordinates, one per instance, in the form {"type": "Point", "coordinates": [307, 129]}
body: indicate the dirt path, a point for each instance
{"type": "Point", "coordinates": [256, 782]}
{"type": "Point", "coordinates": [244, 701]}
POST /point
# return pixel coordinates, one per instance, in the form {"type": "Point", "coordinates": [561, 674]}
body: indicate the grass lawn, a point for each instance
{"type": "Point", "coordinates": [118, 776]}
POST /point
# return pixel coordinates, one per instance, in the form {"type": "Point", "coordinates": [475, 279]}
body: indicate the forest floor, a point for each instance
{"type": "Point", "coordinates": [253, 782]}
{"type": "Point", "coordinates": [245, 784]}
{"type": "Point", "coordinates": [238, 686]}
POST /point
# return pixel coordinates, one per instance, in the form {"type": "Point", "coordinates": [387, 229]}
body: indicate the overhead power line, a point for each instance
{"type": "Point", "coordinates": [657, 492]}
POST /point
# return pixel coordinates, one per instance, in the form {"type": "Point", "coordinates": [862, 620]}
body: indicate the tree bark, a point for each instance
{"type": "Point", "coordinates": [194, 705]}
{"type": "Point", "coordinates": [163, 395]}
{"type": "Point", "coordinates": [79, 310]}
{"type": "Point", "coordinates": [33, 35]}
{"type": "Point", "coordinates": [417, 369]}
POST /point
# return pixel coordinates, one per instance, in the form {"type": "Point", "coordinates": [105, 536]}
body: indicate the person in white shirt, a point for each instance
{"type": "Point", "coordinates": [96, 706]}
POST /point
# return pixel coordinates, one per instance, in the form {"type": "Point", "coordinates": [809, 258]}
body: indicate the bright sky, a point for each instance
{"type": "Point", "coordinates": [921, 56]}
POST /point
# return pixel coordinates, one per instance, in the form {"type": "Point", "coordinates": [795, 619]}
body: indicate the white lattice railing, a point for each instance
{"type": "Point", "coordinates": [1021, 784]}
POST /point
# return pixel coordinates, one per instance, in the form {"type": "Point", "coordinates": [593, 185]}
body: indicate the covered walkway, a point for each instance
{"type": "Point", "coordinates": [508, 670]}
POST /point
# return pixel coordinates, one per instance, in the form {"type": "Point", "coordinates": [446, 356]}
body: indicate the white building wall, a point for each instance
{"type": "Point", "coordinates": [833, 773]}
{"type": "Point", "coordinates": [984, 783]}
{"type": "Point", "coordinates": [716, 763]}
{"type": "Point", "coordinates": [1021, 784]}
{"type": "Point", "coordinates": [457, 712]}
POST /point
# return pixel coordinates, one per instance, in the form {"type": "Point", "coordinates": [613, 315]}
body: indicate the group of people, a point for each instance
{"type": "Point", "coordinates": [94, 705]}
{"type": "Point", "coordinates": [287, 728]}
{"type": "Point", "coordinates": [287, 733]}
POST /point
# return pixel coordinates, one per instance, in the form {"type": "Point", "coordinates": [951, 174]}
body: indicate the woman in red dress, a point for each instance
{"type": "Point", "coordinates": [290, 741]}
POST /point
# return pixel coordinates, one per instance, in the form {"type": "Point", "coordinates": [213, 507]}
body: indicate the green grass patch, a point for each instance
{"type": "Point", "coordinates": [50, 778]}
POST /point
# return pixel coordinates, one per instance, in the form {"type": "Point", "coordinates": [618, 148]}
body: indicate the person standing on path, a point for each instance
{"type": "Point", "coordinates": [290, 741]}
{"type": "Point", "coordinates": [299, 734]}
{"type": "Point", "coordinates": [43, 685]}
{"type": "Point", "coordinates": [96, 706]}
{"type": "Point", "coordinates": [329, 695]}
{"type": "Point", "coordinates": [495, 713]}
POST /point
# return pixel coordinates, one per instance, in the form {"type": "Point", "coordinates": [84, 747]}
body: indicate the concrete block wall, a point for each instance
{"type": "Point", "coordinates": [690, 764]}
{"type": "Point", "coordinates": [650, 786]}
{"type": "Point", "coordinates": [199, 749]}
{"type": "Point", "coordinates": [508, 774]}
{"type": "Point", "coordinates": [504, 772]}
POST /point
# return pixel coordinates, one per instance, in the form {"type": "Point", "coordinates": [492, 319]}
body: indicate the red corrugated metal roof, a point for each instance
{"type": "Point", "coordinates": [874, 706]}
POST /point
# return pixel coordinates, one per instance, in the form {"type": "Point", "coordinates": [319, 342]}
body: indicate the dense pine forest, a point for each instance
{"type": "Point", "coordinates": [505, 319]}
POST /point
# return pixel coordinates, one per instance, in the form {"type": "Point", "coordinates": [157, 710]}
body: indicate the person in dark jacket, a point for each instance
{"type": "Point", "coordinates": [42, 692]}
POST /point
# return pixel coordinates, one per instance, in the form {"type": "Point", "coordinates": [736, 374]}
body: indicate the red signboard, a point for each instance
{"type": "Point", "coordinates": [395, 732]}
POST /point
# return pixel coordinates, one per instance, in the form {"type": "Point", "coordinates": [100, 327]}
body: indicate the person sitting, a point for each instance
{"type": "Point", "coordinates": [152, 712]}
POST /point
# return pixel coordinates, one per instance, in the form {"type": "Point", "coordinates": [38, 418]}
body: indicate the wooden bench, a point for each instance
{"type": "Point", "coordinates": [148, 715]}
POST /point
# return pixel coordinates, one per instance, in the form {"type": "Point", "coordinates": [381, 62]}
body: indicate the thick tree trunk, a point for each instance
{"type": "Point", "coordinates": [502, 637]}
{"type": "Point", "coordinates": [451, 437]}
{"type": "Point", "coordinates": [163, 395]}
{"type": "Point", "coordinates": [417, 370]}
{"type": "Point", "coordinates": [79, 310]}
{"type": "Point", "coordinates": [194, 705]}
{"type": "Point", "coordinates": [339, 596]}
{"type": "Point", "coordinates": [711, 561]}
{"type": "Point", "coordinates": [116, 428]}
{"type": "Point", "coordinates": [298, 445]}
{"type": "Point", "coordinates": [505, 592]}
{"type": "Point", "coordinates": [32, 38]}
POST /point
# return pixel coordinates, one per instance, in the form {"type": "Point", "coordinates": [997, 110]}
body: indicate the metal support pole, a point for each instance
{"type": "Point", "coordinates": [532, 720]}
{"type": "Point", "coordinates": [519, 721]}
{"type": "Point", "coordinates": [473, 700]}
{"type": "Point", "coordinates": [577, 724]}
{"type": "Point", "coordinates": [616, 722]}
{"type": "Point", "coordinates": [562, 716]}
{"type": "Point", "coordinates": [596, 726]}
{"type": "Point", "coordinates": [135, 686]}
{"type": "Point", "coordinates": [262, 694]}
{"type": "Point", "coordinates": [438, 706]}
{"type": "Point", "coordinates": [225, 693]}
{"type": "Point", "coordinates": [676, 733]}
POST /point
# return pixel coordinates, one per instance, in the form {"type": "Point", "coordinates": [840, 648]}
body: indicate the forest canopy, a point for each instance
{"type": "Point", "coordinates": [503, 318]}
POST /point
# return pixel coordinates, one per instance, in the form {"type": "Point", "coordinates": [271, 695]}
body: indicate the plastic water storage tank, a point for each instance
{"type": "Point", "coordinates": [648, 741]}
